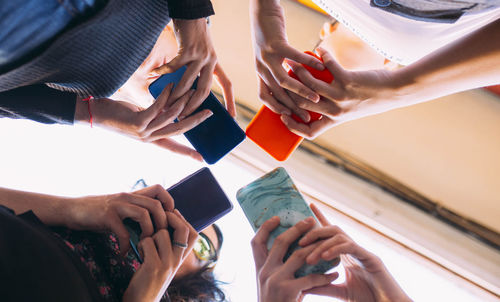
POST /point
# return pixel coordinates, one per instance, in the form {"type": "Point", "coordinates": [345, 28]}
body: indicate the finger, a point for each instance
{"type": "Point", "coordinates": [319, 215]}
{"type": "Point", "coordinates": [303, 58]}
{"type": "Point", "coordinates": [171, 66]}
{"type": "Point", "coordinates": [265, 95]}
{"type": "Point", "coordinates": [116, 226]}
{"type": "Point", "coordinates": [309, 131]}
{"type": "Point", "coordinates": [346, 248]}
{"type": "Point", "coordinates": [283, 241]}
{"type": "Point", "coordinates": [139, 214]}
{"type": "Point", "coordinates": [193, 234]}
{"type": "Point", "coordinates": [147, 248]}
{"type": "Point", "coordinates": [153, 206]}
{"type": "Point", "coordinates": [202, 90]}
{"type": "Point", "coordinates": [170, 144]}
{"type": "Point", "coordinates": [321, 233]}
{"type": "Point", "coordinates": [287, 82]}
{"type": "Point", "coordinates": [159, 193]}
{"type": "Point", "coordinates": [335, 69]}
{"type": "Point", "coordinates": [330, 290]}
{"type": "Point", "coordinates": [325, 246]}
{"type": "Point", "coordinates": [279, 94]}
{"type": "Point", "coordinates": [163, 244]}
{"type": "Point", "coordinates": [149, 114]}
{"type": "Point", "coordinates": [259, 241]}
{"type": "Point", "coordinates": [169, 115]}
{"type": "Point", "coordinates": [186, 82]}
{"type": "Point", "coordinates": [180, 235]}
{"type": "Point", "coordinates": [227, 89]}
{"type": "Point", "coordinates": [312, 281]}
{"type": "Point", "coordinates": [319, 86]}
{"type": "Point", "coordinates": [181, 126]}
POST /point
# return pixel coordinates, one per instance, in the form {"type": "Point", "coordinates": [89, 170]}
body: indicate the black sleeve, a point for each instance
{"type": "Point", "coordinates": [190, 9]}
{"type": "Point", "coordinates": [39, 103]}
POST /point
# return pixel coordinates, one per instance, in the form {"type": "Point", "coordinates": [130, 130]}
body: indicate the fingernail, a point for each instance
{"type": "Point", "coordinates": [154, 74]}
{"type": "Point", "coordinates": [209, 113]}
{"type": "Point", "coordinates": [319, 66]}
{"type": "Point", "coordinates": [309, 220]}
{"type": "Point", "coordinates": [313, 97]}
{"type": "Point", "coordinates": [285, 112]}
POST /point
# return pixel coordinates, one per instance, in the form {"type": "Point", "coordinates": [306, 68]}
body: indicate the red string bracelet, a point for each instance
{"type": "Point", "coordinates": [90, 98]}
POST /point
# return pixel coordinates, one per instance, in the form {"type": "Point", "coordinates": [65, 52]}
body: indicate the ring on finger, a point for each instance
{"type": "Point", "coordinates": [179, 244]}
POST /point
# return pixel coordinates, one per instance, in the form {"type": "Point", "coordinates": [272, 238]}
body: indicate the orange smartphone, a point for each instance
{"type": "Point", "coordinates": [268, 131]}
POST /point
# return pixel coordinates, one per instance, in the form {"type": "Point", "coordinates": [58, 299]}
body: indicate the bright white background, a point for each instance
{"type": "Point", "coordinates": [74, 161]}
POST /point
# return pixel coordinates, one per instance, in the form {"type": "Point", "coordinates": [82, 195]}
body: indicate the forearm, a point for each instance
{"type": "Point", "coordinates": [49, 209]}
{"type": "Point", "coordinates": [469, 63]}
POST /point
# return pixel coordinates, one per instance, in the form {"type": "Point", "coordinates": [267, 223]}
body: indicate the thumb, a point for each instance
{"type": "Point", "coordinates": [335, 69]}
{"type": "Point", "coordinates": [170, 67]}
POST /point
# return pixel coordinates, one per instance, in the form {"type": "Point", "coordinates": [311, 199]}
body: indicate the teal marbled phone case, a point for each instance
{"type": "Point", "coordinates": [275, 194]}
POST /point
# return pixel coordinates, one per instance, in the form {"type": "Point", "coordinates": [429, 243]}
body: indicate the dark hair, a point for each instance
{"type": "Point", "coordinates": [200, 286]}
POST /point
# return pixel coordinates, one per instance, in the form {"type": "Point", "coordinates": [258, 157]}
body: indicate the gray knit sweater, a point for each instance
{"type": "Point", "coordinates": [93, 58]}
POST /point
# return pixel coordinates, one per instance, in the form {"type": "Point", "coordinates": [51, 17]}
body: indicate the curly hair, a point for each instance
{"type": "Point", "coordinates": [200, 286]}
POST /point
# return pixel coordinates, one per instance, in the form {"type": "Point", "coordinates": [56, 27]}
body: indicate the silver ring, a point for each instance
{"type": "Point", "coordinates": [179, 244]}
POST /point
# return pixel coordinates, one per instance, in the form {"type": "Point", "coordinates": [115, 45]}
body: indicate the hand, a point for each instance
{"type": "Point", "coordinates": [367, 279]}
{"type": "Point", "coordinates": [162, 259]}
{"type": "Point", "coordinates": [154, 124]}
{"type": "Point", "coordinates": [276, 281]}
{"type": "Point", "coordinates": [107, 212]}
{"type": "Point", "coordinates": [197, 53]}
{"type": "Point", "coordinates": [271, 48]}
{"type": "Point", "coordinates": [352, 95]}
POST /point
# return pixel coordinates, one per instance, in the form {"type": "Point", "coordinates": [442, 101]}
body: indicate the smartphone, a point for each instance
{"type": "Point", "coordinates": [275, 194]}
{"type": "Point", "coordinates": [268, 131]}
{"type": "Point", "coordinates": [198, 197]}
{"type": "Point", "coordinates": [217, 135]}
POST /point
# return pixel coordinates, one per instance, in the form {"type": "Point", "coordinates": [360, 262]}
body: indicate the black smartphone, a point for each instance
{"type": "Point", "coordinates": [198, 197]}
{"type": "Point", "coordinates": [217, 135]}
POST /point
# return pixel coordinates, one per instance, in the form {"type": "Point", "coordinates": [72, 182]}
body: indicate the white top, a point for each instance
{"type": "Point", "coordinates": [399, 39]}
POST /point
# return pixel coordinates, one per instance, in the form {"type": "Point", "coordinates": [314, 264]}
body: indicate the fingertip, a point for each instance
{"type": "Point", "coordinates": [314, 97]}
{"type": "Point", "coordinates": [208, 113]}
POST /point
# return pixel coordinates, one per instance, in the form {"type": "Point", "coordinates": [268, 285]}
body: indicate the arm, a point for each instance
{"type": "Point", "coordinates": [197, 53]}
{"type": "Point", "coordinates": [95, 213]}
{"type": "Point", "coordinates": [153, 125]}
{"type": "Point", "coordinates": [468, 63]}
{"type": "Point", "coordinates": [271, 48]}
{"type": "Point", "coordinates": [39, 103]}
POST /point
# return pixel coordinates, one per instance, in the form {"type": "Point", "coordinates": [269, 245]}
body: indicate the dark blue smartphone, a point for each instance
{"type": "Point", "coordinates": [217, 135]}
{"type": "Point", "coordinates": [198, 197]}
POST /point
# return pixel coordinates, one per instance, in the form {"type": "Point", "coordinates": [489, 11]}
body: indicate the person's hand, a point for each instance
{"type": "Point", "coordinates": [276, 281]}
{"type": "Point", "coordinates": [154, 124]}
{"type": "Point", "coordinates": [352, 95]}
{"type": "Point", "coordinates": [162, 259]}
{"type": "Point", "coordinates": [271, 48]}
{"type": "Point", "coordinates": [107, 212]}
{"type": "Point", "coordinates": [197, 53]}
{"type": "Point", "coordinates": [367, 279]}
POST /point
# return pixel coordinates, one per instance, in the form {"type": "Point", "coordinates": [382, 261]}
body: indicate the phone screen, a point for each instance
{"type": "Point", "coordinates": [200, 199]}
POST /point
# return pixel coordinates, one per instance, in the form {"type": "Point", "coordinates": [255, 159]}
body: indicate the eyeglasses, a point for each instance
{"type": "Point", "coordinates": [205, 250]}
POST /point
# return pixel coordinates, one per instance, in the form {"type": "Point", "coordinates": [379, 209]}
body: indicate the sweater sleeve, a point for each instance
{"type": "Point", "coordinates": [39, 103]}
{"type": "Point", "coordinates": [189, 9]}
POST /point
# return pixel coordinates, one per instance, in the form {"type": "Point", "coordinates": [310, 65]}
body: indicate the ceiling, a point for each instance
{"type": "Point", "coordinates": [447, 149]}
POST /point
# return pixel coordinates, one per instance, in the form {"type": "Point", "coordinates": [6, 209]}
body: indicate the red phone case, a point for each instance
{"type": "Point", "coordinates": [268, 131]}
